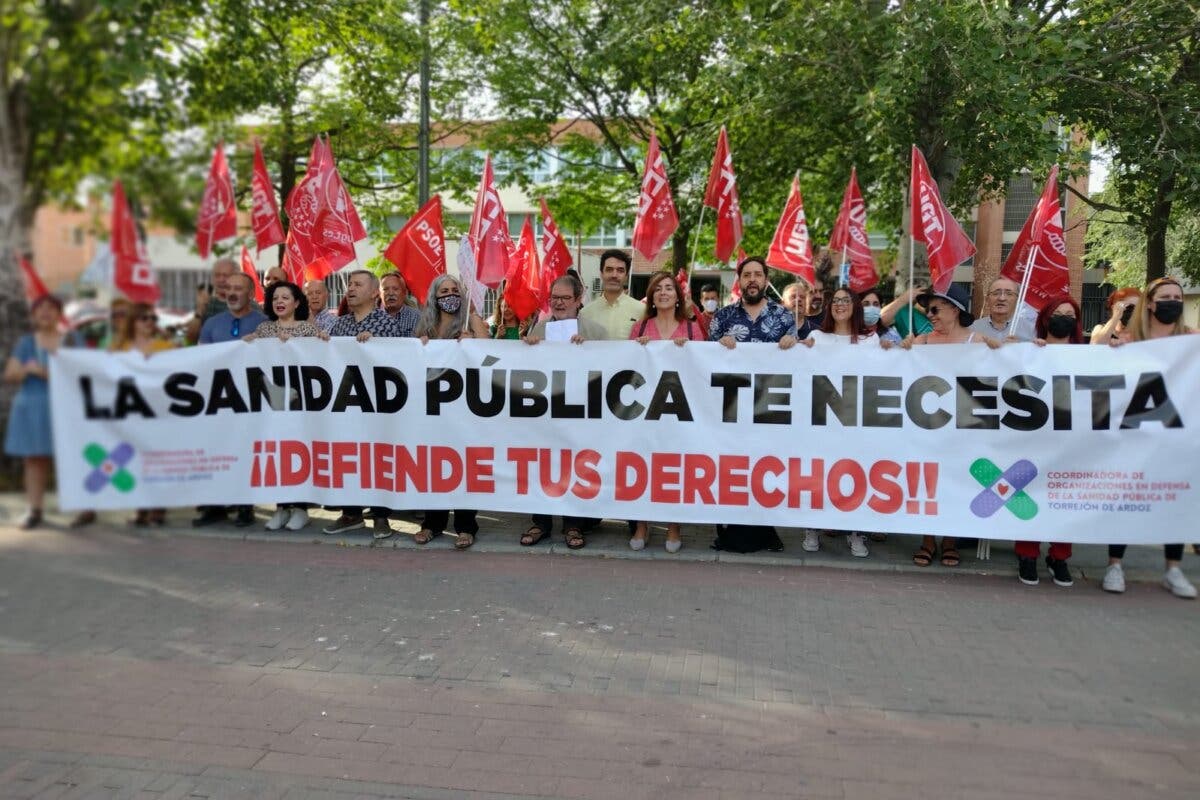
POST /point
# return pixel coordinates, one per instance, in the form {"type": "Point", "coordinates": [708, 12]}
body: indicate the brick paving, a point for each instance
{"type": "Point", "coordinates": [166, 666]}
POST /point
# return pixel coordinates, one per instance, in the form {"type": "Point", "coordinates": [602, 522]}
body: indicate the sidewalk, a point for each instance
{"type": "Point", "coordinates": [500, 533]}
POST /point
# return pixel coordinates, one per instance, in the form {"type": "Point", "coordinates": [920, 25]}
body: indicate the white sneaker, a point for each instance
{"type": "Point", "coordinates": [637, 544]}
{"type": "Point", "coordinates": [277, 519]}
{"type": "Point", "coordinates": [812, 542]}
{"type": "Point", "coordinates": [1114, 579]}
{"type": "Point", "coordinates": [673, 545]}
{"type": "Point", "coordinates": [298, 519]}
{"type": "Point", "coordinates": [858, 545]}
{"type": "Point", "coordinates": [1177, 584]}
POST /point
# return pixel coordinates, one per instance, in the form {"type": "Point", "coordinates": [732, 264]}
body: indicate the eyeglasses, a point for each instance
{"type": "Point", "coordinates": [558, 298]}
{"type": "Point", "coordinates": [236, 329]}
{"type": "Point", "coordinates": [841, 301]}
{"type": "Point", "coordinates": [1002, 293]}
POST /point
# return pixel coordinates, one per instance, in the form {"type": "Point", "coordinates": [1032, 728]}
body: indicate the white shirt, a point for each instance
{"type": "Point", "coordinates": [822, 339]}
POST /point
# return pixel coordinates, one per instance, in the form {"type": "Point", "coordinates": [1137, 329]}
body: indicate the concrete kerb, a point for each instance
{"type": "Point", "coordinates": [499, 533]}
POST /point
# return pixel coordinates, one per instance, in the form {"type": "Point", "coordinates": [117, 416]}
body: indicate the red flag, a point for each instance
{"type": "Point", "coordinates": [489, 235]}
{"type": "Point", "coordinates": [685, 287]}
{"type": "Point", "coordinates": [337, 225]}
{"type": "Point", "coordinates": [1043, 235]}
{"type": "Point", "coordinates": [946, 244]}
{"type": "Point", "coordinates": [34, 288]}
{"type": "Point", "coordinates": [357, 231]}
{"type": "Point", "coordinates": [132, 274]}
{"type": "Point", "coordinates": [264, 213]}
{"type": "Point", "coordinates": [419, 249]}
{"type": "Point", "coordinates": [251, 269]}
{"type": "Point", "coordinates": [302, 206]}
{"type": "Point", "coordinates": [656, 216]}
{"type": "Point", "coordinates": [523, 287]}
{"type": "Point", "coordinates": [850, 235]}
{"type": "Point", "coordinates": [722, 195]}
{"type": "Point", "coordinates": [556, 256]}
{"type": "Point", "coordinates": [217, 217]}
{"type": "Point", "coordinates": [791, 249]}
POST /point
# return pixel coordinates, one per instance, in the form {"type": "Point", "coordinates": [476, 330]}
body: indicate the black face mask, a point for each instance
{"type": "Point", "coordinates": [1168, 311]}
{"type": "Point", "coordinates": [1060, 326]}
{"type": "Point", "coordinates": [1127, 314]}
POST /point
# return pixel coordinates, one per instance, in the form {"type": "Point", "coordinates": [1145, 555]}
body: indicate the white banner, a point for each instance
{"type": "Point", "coordinates": [1080, 444]}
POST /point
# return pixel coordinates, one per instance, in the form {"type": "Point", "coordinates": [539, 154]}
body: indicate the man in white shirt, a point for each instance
{"type": "Point", "coordinates": [614, 311]}
{"type": "Point", "coordinates": [1001, 304]}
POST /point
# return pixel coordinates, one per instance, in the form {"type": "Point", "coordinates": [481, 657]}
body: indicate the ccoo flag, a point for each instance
{"type": "Point", "coordinates": [656, 216]}
{"type": "Point", "coordinates": [791, 249]}
{"type": "Point", "coordinates": [946, 244]}
{"type": "Point", "coordinates": [722, 195]}
{"type": "Point", "coordinates": [1042, 236]}
{"type": "Point", "coordinates": [132, 274]}
{"type": "Point", "coordinates": [419, 249]}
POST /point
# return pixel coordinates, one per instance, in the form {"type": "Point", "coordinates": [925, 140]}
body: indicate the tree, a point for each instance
{"type": "Point", "coordinates": [1133, 84]}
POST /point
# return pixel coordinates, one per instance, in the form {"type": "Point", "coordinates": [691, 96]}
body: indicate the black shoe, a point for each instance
{"type": "Point", "coordinates": [245, 517]}
{"type": "Point", "coordinates": [1059, 571]}
{"type": "Point", "coordinates": [209, 516]}
{"type": "Point", "coordinates": [1027, 571]}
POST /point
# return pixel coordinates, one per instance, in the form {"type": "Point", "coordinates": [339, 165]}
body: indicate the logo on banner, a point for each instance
{"type": "Point", "coordinates": [108, 466]}
{"type": "Point", "coordinates": [1004, 489]}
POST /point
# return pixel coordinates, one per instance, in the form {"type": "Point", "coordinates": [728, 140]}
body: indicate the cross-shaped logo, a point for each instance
{"type": "Point", "coordinates": [109, 467]}
{"type": "Point", "coordinates": [1004, 489]}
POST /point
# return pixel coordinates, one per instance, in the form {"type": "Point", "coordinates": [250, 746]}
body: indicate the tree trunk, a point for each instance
{"type": "Point", "coordinates": [1156, 229]}
{"type": "Point", "coordinates": [679, 250]}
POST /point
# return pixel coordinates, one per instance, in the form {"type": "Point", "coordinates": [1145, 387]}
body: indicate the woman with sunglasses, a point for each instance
{"type": "Point", "coordinates": [1159, 315]}
{"type": "Point", "coordinates": [287, 311]}
{"type": "Point", "coordinates": [447, 315]}
{"type": "Point", "coordinates": [947, 313]}
{"type": "Point", "coordinates": [140, 333]}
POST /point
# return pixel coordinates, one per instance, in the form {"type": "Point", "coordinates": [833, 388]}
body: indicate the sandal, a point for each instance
{"type": "Point", "coordinates": [923, 557]}
{"type": "Point", "coordinates": [950, 557]}
{"type": "Point", "coordinates": [424, 536]}
{"type": "Point", "coordinates": [529, 538]}
{"type": "Point", "coordinates": [465, 540]}
{"type": "Point", "coordinates": [574, 538]}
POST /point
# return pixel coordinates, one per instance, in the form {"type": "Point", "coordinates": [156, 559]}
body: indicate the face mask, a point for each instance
{"type": "Point", "coordinates": [870, 315]}
{"type": "Point", "coordinates": [1168, 311]}
{"type": "Point", "coordinates": [710, 306]}
{"type": "Point", "coordinates": [1127, 314]}
{"type": "Point", "coordinates": [450, 303]}
{"type": "Point", "coordinates": [1060, 326]}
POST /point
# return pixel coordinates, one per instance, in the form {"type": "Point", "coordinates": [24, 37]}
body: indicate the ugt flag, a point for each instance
{"type": "Point", "coordinates": [1042, 247]}
{"type": "Point", "coordinates": [850, 236]}
{"type": "Point", "coordinates": [217, 218]}
{"type": "Point", "coordinates": [722, 195]}
{"type": "Point", "coordinates": [791, 249]}
{"type": "Point", "coordinates": [946, 243]}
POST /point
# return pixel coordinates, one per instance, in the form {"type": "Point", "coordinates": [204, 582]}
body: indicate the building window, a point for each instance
{"type": "Point", "coordinates": [1019, 201]}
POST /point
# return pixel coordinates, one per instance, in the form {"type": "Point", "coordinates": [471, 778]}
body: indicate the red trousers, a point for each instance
{"type": "Point", "coordinates": [1059, 551]}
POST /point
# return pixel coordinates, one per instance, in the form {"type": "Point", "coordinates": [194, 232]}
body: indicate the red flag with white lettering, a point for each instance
{"type": "Point", "coordinates": [556, 256]}
{"type": "Point", "coordinates": [217, 218]}
{"type": "Point", "coordinates": [656, 216]}
{"type": "Point", "coordinates": [34, 288]}
{"type": "Point", "coordinates": [264, 213]}
{"type": "Point", "coordinates": [1042, 235]}
{"type": "Point", "coordinates": [419, 249]}
{"type": "Point", "coordinates": [132, 274]}
{"type": "Point", "coordinates": [946, 243]}
{"type": "Point", "coordinates": [251, 269]}
{"type": "Point", "coordinates": [336, 226]}
{"type": "Point", "coordinates": [490, 240]}
{"type": "Point", "coordinates": [722, 195]}
{"type": "Point", "coordinates": [850, 235]}
{"type": "Point", "coordinates": [791, 249]}
{"type": "Point", "coordinates": [523, 286]}
{"type": "Point", "coordinates": [302, 205]}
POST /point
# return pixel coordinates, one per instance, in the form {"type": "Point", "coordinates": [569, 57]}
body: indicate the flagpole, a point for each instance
{"type": "Point", "coordinates": [696, 244]}
{"type": "Point", "coordinates": [1012, 326]}
{"type": "Point", "coordinates": [912, 245]}
{"type": "Point", "coordinates": [845, 248]}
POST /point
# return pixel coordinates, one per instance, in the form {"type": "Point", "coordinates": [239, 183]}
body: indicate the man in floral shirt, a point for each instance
{"type": "Point", "coordinates": [754, 318]}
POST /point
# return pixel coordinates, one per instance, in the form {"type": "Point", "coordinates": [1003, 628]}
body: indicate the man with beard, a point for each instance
{"type": "Point", "coordinates": [1001, 303]}
{"type": "Point", "coordinates": [753, 318]}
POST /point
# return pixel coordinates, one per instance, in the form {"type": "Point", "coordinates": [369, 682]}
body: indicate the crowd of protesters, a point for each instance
{"type": "Point", "coordinates": [805, 316]}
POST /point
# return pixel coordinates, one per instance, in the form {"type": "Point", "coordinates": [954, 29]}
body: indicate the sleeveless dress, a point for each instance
{"type": "Point", "coordinates": [28, 432]}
